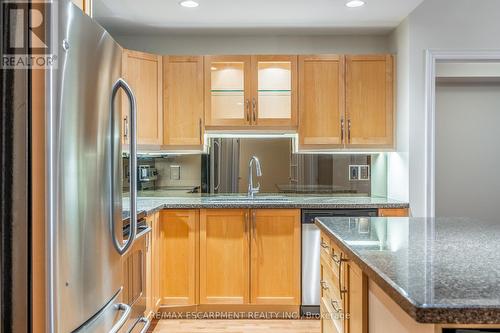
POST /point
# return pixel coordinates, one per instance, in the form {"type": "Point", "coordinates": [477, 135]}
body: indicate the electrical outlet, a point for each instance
{"type": "Point", "coordinates": [359, 172]}
{"type": "Point", "coordinates": [353, 172]}
{"type": "Point", "coordinates": [364, 172]}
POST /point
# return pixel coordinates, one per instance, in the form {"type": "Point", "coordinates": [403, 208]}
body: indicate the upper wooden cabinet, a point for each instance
{"type": "Point", "coordinates": [275, 256]}
{"type": "Point", "coordinates": [322, 105]}
{"type": "Point", "coordinates": [251, 91]}
{"type": "Point", "coordinates": [346, 102]}
{"type": "Point", "coordinates": [183, 101]}
{"type": "Point", "coordinates": [143, 72]}
{"type": "Point", "coordinates": [369, 101]}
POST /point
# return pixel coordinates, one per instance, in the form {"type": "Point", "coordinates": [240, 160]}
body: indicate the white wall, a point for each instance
{"type": "Point", "coordinates": [258, 44]}
{"type": "Point", "coordinates": [439, 24]}
{"type": "Point", "coordinates": [398, 162]}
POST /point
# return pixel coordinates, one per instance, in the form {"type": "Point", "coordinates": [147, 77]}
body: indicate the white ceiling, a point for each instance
{"type": "Point", "coordinates": [244, 16]}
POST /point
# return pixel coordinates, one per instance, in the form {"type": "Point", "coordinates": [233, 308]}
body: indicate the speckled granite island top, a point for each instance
{"type": "Point", "coordinates": [442, 270]}
{"type": "Point", "coordinates": [262, 201]}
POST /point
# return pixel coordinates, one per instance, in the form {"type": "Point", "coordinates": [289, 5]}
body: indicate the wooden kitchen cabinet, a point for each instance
{"type": "Point", "coordinates": [251, 92]}
{"type": "Point", "coordinates": [322, 101]}
{"type": "Point", "coordinates": [275, 256]}
{"type": "Point", "coordinates": [143, 72]}
{"type": "Point", "coordinates": [178, 255]}
{"type": "Point", "coordinates": [183, 101]}
{"type": "Point", "coordinates": [224, 256]}
{"type": "Point", "coordinates": [227, 91]}
{"type": "Point", "coordinates": [344, 292]}
{"type": "Point", "coordinates": [356, 302]}
{"type": "Point", "coordinates": [274, 91]}
{"type": "Point", "coordinates": [393, 212]}
{"type": "Point", "coordinates": [369, 101]}
{"type": "Point", "coordinates": [152, 266]}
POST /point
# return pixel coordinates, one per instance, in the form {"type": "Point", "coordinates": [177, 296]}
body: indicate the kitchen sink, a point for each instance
{"type": "Point", "coordinates": [228, 199]}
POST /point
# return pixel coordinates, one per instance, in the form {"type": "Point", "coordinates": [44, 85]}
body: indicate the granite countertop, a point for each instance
{"type": "Point", "coordinates": [442, 270]}
{"type": "Point", "coordinates": [152, 204]}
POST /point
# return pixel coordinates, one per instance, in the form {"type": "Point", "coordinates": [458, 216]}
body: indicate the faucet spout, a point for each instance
{"type": "Point", "coordinates": [251, 189]}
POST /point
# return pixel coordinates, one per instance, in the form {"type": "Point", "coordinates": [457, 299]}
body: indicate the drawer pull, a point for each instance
{"type": "Point", "coordinates": [324, 285]}
{"type": "Point", "coordinates": [324, 245]}
{"type": "Point", "coordinates": [335, 306]}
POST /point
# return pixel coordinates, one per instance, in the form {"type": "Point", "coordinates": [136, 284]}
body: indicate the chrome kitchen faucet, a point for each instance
{"type": "Point", "coordinates": [253, 190]}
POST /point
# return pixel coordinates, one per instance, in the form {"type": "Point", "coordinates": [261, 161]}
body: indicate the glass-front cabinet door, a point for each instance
{"type": "Point", "coordinates": [227, 91]}
{"type": "Point", "coordinates": [274, 92]}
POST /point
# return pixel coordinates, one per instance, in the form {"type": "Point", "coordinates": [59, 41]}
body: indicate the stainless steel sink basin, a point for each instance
{"type": "Point", "coordinates": [236, 199]}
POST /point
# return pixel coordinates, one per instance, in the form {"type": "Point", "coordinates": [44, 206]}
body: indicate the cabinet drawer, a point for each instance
{"type": "Point", "coordinates": [329, 282]}
{"type": "Point", "coordinates": [331, 321]}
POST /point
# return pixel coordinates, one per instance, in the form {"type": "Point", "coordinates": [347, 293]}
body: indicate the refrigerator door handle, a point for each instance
{"type": "Point", "coordinates": [122, 248]}
{"type": "Point", "coordinates": [146, 323]}
{"type": "Point", "coordinates": [216, 143]}
{"type": "Point", "coordinates": [126, 314]}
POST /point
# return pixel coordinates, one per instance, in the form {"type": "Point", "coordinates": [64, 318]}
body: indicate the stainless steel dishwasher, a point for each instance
{"type": "Point", "coordinates": [311, 251]}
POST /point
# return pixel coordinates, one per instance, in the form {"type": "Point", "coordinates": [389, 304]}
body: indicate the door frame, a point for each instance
{"type": "Point", "coordinates": [432, 57]}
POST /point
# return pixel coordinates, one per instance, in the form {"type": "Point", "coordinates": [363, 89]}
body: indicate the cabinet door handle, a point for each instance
{"type": "Point", "coordinates": [247, 224]}
{"type": "Point", "coordinates": [342, 130]}
{"type": "Point", "coordinates": [247, 105]}
{"type": "Point", "coordinates": [254, 110]}
{"type": "Point", "coordinates": [338, 261]}
{"type": "Point", "coordinates": [201, 141]}
{"type": "Point", "coordinates": [349, 130]}
{"type": "Point", "coordinates": [324, 245]}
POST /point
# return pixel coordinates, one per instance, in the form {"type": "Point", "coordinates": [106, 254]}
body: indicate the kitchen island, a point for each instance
{"type": "Point", "coordinates": [422, 273]}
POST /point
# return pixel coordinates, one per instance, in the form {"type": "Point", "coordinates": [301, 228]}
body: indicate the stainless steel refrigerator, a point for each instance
{"type": "Point", "coordinates": [85, 240]}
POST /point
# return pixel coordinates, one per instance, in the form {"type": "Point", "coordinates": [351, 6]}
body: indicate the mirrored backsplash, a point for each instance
{"type": "Point", "coordinates": [225, 170]}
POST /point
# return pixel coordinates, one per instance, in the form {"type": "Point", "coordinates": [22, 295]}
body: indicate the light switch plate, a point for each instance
{"type": "Point", "coordinates": [175, 172]}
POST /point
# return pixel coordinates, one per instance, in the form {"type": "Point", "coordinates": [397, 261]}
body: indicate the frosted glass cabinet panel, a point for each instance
{"type": "Point", "coordinates": [275, 90]}
{"type": "Point", "coordinates": [251, 91]}
{"type": "Point", "coordinates": [227, 90]}
{"type": "Point", "coordinates": [274, 98]}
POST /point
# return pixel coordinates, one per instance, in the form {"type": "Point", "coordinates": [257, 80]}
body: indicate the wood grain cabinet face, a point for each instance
{"type": "Point", "coordinates": [369, 101]}
{"type": "Point", "coordinates": [356, 302]}
{"type": "Point", "coordinates": [183, 101]}
{"type": "Point", "coordinates": [178, 256]}
{"type": "Point", "coordinates": [143, 72]}
{"type": "Point", "coordinates": [393, 212]}
{"type": "Point", "coordinates": [321, 101]}
{"type": "Point", "coordinates": [275, 256]}
{"type": "Point", "coordinates": [155, 262]}
{"type": "Point", "coordinates": [224, 256]}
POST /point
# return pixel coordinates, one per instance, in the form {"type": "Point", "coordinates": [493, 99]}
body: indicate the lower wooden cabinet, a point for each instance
{"type": "Point", "coordinates": [344, 292]}
{"type": "Point", "coordinates": [178, 248]}
{"type": "Point", "coordinates": [250, 256]}
{"type": "Point", "coordinates": [152, 266]}
{"type": "Point", "coordinates": [393, 212]}
{"type": "Point", "coordinates": [224, 256]}
{"type": "Point", "coordinates": [275, 256]}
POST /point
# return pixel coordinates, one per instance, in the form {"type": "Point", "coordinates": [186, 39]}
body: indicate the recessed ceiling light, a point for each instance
{"type": "Point", "coordinates": [355, 3]}
{"type": "Point", "coordinates": [189, 3]}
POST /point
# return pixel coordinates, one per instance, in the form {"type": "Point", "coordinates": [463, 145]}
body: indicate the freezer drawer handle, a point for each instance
{"type": "Point", "coordinates": [122, 248]}
{"type": "Point", "coordinates": [146, 323]}
{"type": "Point", "coordinates": [126, 313]}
